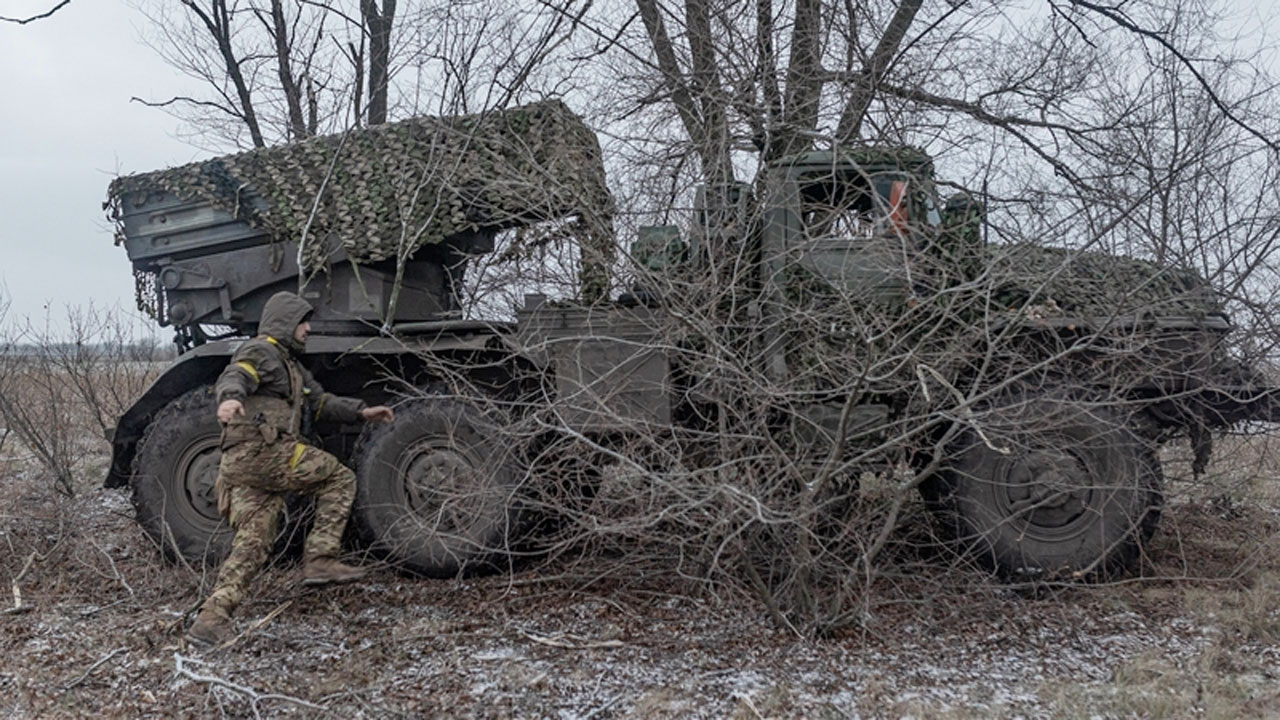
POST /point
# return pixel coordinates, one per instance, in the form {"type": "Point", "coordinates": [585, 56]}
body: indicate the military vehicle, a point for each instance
{"type": "Point", "coordinates": [1028, 388]}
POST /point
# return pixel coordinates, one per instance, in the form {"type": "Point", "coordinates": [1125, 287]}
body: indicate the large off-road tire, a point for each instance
{"type": "Point", "coordinates": [173, 473]}
{"type": "Point", "coordinates": [1050, 489]}
{"type": "Point", "coordinates": [437, 489]}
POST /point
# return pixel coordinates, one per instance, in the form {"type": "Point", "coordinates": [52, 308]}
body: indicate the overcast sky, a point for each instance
{"type": "Point", "coordinates": [67, 127]}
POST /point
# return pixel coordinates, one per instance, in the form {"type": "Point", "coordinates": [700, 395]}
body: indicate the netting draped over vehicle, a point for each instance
{"type": "Point", "coordinates": [385, 191]}
{"type": "Point", "coordinates": [1094, 285]}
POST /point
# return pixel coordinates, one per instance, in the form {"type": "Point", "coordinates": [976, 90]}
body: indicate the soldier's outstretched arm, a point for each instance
{"type": "Point", "coordinates": [239, 380]}
{"type": "Point", "coordinates": [328, 406]}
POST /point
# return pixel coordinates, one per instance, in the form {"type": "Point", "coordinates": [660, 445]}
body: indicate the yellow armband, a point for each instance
{"type": "Point", "coordinates": [249, 369]}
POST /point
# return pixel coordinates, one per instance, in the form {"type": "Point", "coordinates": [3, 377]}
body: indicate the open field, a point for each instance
{"type": "Point", "coordinates": [98, 629]}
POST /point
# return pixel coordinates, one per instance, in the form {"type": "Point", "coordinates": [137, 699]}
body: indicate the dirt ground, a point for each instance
{"type": "Point", "coordinates": [98, 631]}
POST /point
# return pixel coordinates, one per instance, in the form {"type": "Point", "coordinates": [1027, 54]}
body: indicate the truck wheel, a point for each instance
{"type": "Point", "coordinates": [436, 489]}
{"type": "Point", "coordinates": [1051, 489]}
{"type": "Point", "coordinates": [173, 473]}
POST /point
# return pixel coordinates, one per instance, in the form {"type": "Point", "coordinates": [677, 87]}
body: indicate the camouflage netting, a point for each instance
{"type": "Point", "coordinates": [907, 158]}
{"type": "Point", "coordinates": [858, 331]}
{"type": "Point", "coordinates": [1094, 285]}
{"type": "Point", "coordinates": [385, 191]}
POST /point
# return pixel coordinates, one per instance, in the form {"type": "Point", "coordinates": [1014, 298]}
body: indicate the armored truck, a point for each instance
{"type": "Point", "coordinates": [839, 302]}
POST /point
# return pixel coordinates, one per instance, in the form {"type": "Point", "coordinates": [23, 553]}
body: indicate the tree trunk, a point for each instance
{"type": "Point", "coordinates": [804, 81]}
{"type": "Point", "coordinates": [874, 71]}
{"type": "Point", "coordinates": [709, 134]}
{"type": "Point", "coordinates": [279, 30]}
{"type": "Point", "coordinates": [218, 23]}
{"type": "Point", "coordinates": [378, 24]}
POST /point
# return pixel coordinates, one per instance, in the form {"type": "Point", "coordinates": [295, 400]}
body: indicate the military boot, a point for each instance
{"type": "Point", "coordinates": [327, 570]}
{"type": "Point", "coordinates": [211, 628]}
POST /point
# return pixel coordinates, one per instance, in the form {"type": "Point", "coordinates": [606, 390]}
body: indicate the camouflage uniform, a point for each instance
{"type": "Point", "coordinates": [263, 455]}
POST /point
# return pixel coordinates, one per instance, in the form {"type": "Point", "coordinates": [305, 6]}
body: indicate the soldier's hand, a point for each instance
{"type": "Point", "coordinates": [378, 413]}
{"type": "Point", "coordinates": [228, 410]}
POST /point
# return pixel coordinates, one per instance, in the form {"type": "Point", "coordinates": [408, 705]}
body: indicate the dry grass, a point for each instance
{"type": "Point", "coordinates": [55, 408]}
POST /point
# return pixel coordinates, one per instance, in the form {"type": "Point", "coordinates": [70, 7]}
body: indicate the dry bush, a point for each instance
{"type": "Point", "coordinates": [62, 390]}
{"type": "Point", "coordinates": [741, 497]}
{"type": "Point", "coordinates": [801, 489]}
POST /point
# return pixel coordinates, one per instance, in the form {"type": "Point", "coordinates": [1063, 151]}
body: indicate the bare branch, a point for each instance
{"type": "Point", "coordinates": [217, 21]}
{"type": "Point", "coordinates": [187, 100]}
{"type": "Point", "coordinates": [180, 667]}
{"type": "Point", "coordinates": [876, 68]}
{"type": "Point", "coordinates": [1119, 17]}
{"type": "Point", "coordinates": [673, 79]}
{"type": "Point", "coordinates": [101, 661]}
{"type": "Point", "coordinates": [41, 16]}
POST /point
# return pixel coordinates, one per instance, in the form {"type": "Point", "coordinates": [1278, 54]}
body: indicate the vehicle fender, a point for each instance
{"type": "Point", "coordinates": [201, 366]}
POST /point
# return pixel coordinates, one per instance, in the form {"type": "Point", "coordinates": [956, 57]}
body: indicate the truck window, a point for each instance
{"type": "Point", "coordinates": [855, 205]}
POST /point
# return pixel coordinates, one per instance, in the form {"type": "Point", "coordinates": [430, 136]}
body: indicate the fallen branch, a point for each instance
{"type": "Point", "coordinates": [255, 697]}
{"type": "Point", "coordinates": [90, 612]}
{"type": "Point", "coordinates": [602, 708]}
{"type": "Point", "coordinates": [578, 643]}
{"type": "Point", "coordinates": [93, 667]}
{"type": "Point", "coordinates": [262, 621]}
{"type": "Point", "coordinates": [18, 607]}
{"type": "Point", "coordinates": [114, 570]}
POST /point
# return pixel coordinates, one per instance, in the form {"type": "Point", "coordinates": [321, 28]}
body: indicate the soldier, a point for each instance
{"type": "Point", "coordinates": [262, 395]}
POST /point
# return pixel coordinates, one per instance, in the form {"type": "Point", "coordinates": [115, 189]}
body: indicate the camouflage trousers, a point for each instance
{"type": "Point", "coordinates": [258, 475]}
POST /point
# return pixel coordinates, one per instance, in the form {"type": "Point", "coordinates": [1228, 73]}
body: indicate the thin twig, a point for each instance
{"type": "Point", "coordinates": [578, 643]}
{"type": "Point", "coordinates": [33, 18]}
{"type": "Point", "coordinates": [602, 708]}
{"type": "Point", "coordinates": [262, 621]}
{"type": "Point", "coordinates": [115, 571]}
{"type": "Point", "coordinates": [1117, 15]}
{"type": "Point", "coordinates": [90, 612]}
{"type": "Point", "coordinates": [966, 410]}
{"type": "Point", "coordinates": [303, 278]}
{"type": "Point", "coordinates": [93, 667]}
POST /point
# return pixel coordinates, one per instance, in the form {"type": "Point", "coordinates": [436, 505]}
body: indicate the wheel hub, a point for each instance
{"type": "Point", "coordinates": [198, 469]}
{"type": "Point", "coordinates": [1048, 488]}
{"type": "Point", "coordinates": [442, 486]}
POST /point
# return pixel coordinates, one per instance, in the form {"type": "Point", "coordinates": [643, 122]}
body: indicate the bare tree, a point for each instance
{"type": "Point", "coordinates": [278, 70]}
{"type": "Point", "coordinates": [1169, 161]}
{"type": "Point", "coordinates": [293, 84]}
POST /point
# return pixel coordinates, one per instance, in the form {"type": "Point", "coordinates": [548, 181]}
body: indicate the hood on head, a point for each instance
{"type": "Point", "coordinates": [281, 315]}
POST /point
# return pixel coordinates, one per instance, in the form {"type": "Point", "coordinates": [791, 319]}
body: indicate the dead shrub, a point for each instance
{"type": "Point", "coordinates": [61, 390]}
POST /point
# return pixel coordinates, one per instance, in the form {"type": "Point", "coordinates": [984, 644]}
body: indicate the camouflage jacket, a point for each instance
{"type": "Point", "coordinates": [276, 390]}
